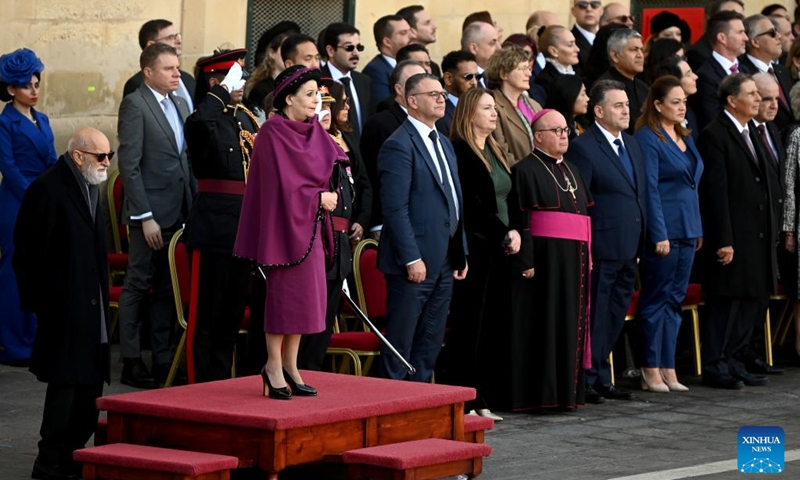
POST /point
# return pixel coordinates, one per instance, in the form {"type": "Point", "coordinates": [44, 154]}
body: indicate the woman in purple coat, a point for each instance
{"type": "Point", "coordinates": [284, 221]}
{"type": "Point", "coordinates": [26, 150]}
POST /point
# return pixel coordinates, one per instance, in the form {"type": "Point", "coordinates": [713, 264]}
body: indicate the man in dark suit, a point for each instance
{"type": "Point", "coordinates": [738, 259]}
{"type": "Point", "coordinates": [163, 31]}
{"type": "Point", "coordinates": [423, 29]}
{"type": "Point", "coordinates": [378, 128]}
{"type": "Point", "coordinates": [612, 165]}
{"type": "Point", "coordinates": [587, 15]}
{"type": "Point", "coordinates": [700, 52]}
{"type": "Point", "coordinates": [460, 75]}
{"type": "Point", "coordinates": [391, 34]}
{"type": "Point", "coordinates": [764, 48]}
{"type": "Point", "coordinates": [62, 269]}
{"type": "Point", "coordinates": [728, 38]}
{"type": "Point", "coordinates": [770, 148]}
{"type": "Point", "coordinates": [423, 246]}
{"type": "Point", "coordinates": [158, 196]}
{"type": "Point", "coordinates": [626, 56]}
{"type": "Point", "coordinates": [343, 46]}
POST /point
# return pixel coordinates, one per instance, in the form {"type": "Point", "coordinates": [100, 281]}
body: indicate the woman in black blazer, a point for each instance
{"type": "Point", "coordinates": [484, 295]}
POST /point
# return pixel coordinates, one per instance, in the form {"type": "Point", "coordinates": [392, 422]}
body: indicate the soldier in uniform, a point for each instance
{"type": "Point", "coordinates": [220, 136]}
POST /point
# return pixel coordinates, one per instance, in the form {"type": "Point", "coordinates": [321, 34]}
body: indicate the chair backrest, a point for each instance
{"type": "Point", "coordinates": [180, 272]}
{"type": "Point", "coordinates": [370, 282]}
{"type": "Point", "coordinates": [115, 194]}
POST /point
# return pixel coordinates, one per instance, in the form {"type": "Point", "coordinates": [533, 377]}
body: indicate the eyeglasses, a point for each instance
{"type": "Point", "coordinates": [351, 47]}
{"type": "Point", "coordinates": [101, 157]}
{"type": "Point", "coordinates": [171, 38]}
{"type": "Point", "coordinates": [771, 32]}
{"type": "Point", "coordinates": [524, 69]}
{"type": "Point", "coordinates": [624, 19]}
{"type": "Point", "coordinates": [558, 131]}
{"type": "Point", "coordinates": [469, 76]}
{"type": "Point", "coordinates": [434, 94]}
{"type": "Point", "coordinates": [585, 5]}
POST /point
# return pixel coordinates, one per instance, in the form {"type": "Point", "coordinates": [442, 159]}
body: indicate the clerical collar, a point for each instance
{"type": "Point", "coordinates": [547, 155]}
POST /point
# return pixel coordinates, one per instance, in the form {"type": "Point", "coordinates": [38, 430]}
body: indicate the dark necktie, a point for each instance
{"type": "Point", "coordinates": [762, 130]}
{"type": "Point", "coordinates": [352, 118]}
{"type": "Point", "coordinates": [448, 191]}
{"type": "Point", "coordinates": [771, 71]}
{"type": "Point", "coordinates": [625, 160]}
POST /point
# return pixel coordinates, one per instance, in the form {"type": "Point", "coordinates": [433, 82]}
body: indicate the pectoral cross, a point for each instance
{"type": "Point", "coordinates": [571, 188]}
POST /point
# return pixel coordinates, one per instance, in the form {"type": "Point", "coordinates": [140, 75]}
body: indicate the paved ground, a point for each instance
{"type": "Point", "coordinates": [657, 432]}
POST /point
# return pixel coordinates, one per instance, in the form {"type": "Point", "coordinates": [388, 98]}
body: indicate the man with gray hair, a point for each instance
{"type": "Point", "coordinates": [62, 269]}
{"type": "Point", "coordinates": [763, 49]}
{"type": "Point", "coordinates": [481, 40]}
{"type": "Point", "coordinates": [739, 235]}
{"type": "Point", "coordinates": [626, 56]}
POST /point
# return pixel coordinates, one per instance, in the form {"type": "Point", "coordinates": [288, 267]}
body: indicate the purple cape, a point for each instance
{"type": "Point", "coordinates": [291, 165]}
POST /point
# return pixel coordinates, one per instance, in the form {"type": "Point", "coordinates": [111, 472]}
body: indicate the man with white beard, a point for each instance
{"type": "Point", "coordinates": [62, 270]}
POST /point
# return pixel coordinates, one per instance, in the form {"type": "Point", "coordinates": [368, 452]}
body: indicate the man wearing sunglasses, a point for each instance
{"type": "Point", "coordinates": [62, 269]}
{"type": "Point", "coordinates": [460, 75]}
{"type": "Point", "coordinates": [587, 21]}
{"type": "Point", "coordinates": [763, 49]}
{"type": "Point", "coordinates": [616, 13]}
{"type": "Point", "coordinates": [343, 46]}
{"type": "Point", "coordinates": [163, 31]}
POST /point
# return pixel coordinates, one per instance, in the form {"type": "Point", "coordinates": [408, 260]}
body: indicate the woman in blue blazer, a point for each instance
{"type": "Point", "coordinates": [674, 231]}
{"type": "Point", "coordinates": [26, 150]}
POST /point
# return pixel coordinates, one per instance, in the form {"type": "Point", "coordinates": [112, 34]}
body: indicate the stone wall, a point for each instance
{"type": "Point", "coordinates": [90, 47]}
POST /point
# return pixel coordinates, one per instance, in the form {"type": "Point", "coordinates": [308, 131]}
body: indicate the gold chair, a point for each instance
{"type": "Point", "coordinates": [181, 289]}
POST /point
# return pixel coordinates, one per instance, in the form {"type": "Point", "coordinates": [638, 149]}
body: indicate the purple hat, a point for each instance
{"type": "Point", "coordinates": [290, 80]}
{"type": "Point", "coordinates": [17, 67]}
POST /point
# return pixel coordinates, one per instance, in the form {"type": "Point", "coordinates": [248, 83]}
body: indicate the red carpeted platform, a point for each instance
{"type": "Point", "coordinates": [231, 417]}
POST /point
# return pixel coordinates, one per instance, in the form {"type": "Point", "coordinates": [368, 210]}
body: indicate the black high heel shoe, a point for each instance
{"type": "Point", "coordinates": [269, 391]}
{"type": "Point", "coordinates": [299, 389]}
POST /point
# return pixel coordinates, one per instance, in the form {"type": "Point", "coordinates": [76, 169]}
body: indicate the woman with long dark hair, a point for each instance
{"type": "Point", "coordinates": [674, 229]}
{"type": "Point", "coordinates": [569, 97]}
{"type": "Point", "coordinates": [26, 150]}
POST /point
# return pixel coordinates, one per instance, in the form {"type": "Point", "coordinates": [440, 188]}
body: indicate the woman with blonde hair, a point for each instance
{"type": "Point", "coordinates": [508, 75]}
{"type": "Point", "coordinates": [560, 51]}
{"type": "Point", "coordinates": [484, 296]}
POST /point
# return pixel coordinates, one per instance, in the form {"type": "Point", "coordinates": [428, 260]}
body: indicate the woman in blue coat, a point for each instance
{"type": "Point", "coordinates": [26, 150]}
{"type": "Point", "coordinates": [674, 231]}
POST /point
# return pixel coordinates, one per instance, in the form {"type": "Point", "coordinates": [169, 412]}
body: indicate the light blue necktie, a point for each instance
{"type": "Point", "coordinates": [174, 121]}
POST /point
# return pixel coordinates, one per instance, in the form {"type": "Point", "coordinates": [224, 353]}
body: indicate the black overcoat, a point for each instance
{"type": "Point", "coordinates": [61, 263]}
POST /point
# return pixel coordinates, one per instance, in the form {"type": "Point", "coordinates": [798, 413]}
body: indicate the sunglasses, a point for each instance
{"type": "Point", "coordinates": [625, 18]}
{"type": "Point", "coordinates": [771, 32]}
{"type": "Point", "coordinates": [469, 76]}
{"type": "Point", "coordinates": [101, 157]}
{"type": "Point", "coordinates": [351, 47]}
{"type": "Point", "coordinates": [585, 5]}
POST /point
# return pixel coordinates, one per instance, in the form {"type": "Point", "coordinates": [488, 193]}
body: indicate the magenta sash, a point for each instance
{"type": "Point", "coordinates": [569, 226]}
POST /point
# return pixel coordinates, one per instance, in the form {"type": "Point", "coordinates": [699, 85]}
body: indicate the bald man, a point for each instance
{"type": "Point", "coordinates": [62, 269]}
{"type": "Point", "coordinates": [549, 204]}
{"type": "Point", "coordinates": [616, 13]}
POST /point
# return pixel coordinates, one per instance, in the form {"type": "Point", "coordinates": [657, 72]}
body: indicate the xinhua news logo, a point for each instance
{"type": "Point", "coordinates": [761, 450]}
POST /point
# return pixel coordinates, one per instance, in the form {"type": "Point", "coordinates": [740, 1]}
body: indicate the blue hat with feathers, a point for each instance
{"type": "Point", "coordinates": [17, 67]}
